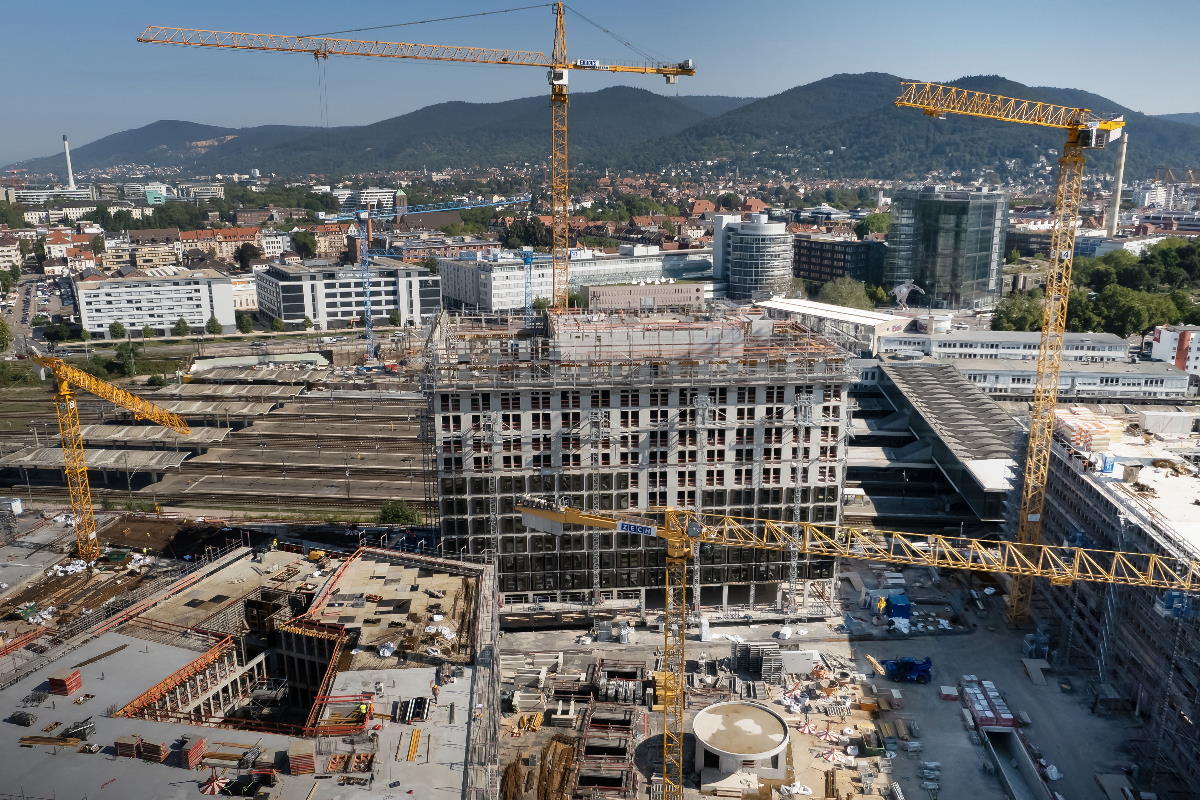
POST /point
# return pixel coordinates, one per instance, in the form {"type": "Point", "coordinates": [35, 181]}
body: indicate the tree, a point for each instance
{"type": "Point", "coordinates": [308, 323]}
{"type": "Point", "coordinates": [276, 324]}
{"type": "Point", "coordinates": [116, 331]}
{"type": "Point", "coordinates": [39, 320]}
{"type": "Point", "coordinates": [245, 254]}
{"type": "Point", "coordinates": [125, 359]}
{"type": "Point", "coordinates": [394, 318]}
{"type": "Point", "coordinates": [430, 263]}
{"type": "Point", "coordinates": [245, 323]}
{"type": "Point", "coordinates": [398, 512]}
{"type": "Point", "coordinates": [845, 292]}
{"type": "Point", "coordinates": [12, 214]}
{"type": "Point", "coordinates": [729, 201]}
{"type": "Point", "coordinates": [6, 338]}
{"type": "Point", "coordinates": [577, 299]}
{"type": "Point", "coordinates": [98, 244]}
{"type": "Point", "coordinates": [213, 326]}
{"type": "Point", "coordinates": [304, 243]}
{"type": "Point", "coordinates": [148, 332]}
{"type": "Point", "coordinates": [1081, 315]}
{"type": "Point", "coordinates": [873, 223]}
{"type": "Point", "coordinates": [1020, 311]}
{"type": "Point", "coordinates": [1122, 311]}
{"type": "Point", "coordinates": [877, 295]}
{"type": "Point", "coordinates": [540, 303]}
{"type": "Point", "coordinates": [181, 327]}
{"type": "Point", "coordinates": [1013, 256]}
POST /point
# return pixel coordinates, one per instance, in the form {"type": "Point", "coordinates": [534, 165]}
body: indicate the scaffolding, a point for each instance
{"type": "Point", "coordinates": [596, 356]}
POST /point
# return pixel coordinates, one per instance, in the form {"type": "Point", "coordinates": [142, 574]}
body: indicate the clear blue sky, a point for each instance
{"type": "Point", "coordinates": [73, 66]}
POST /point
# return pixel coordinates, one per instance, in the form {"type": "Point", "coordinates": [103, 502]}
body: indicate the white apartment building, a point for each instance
{"type": "Point", "coordinates": [332, 295]}
{"type": "Point", "coordinates": [273, 243]}
{"type": "Point", "coordinates": [38, 197]}
{"type": "Point", "coordinates": [10, 251]}
{"type": "Point", "coordinates": [356, 199]}
{"type": "Point", "coordinates": [495, 281]}
{"type": "Point", "coordinates": [1178, 345]}
{"type": "Point", "coordinates": [245, 292]}
{"type": "Point", "coordinates": [1104, 380]}
{"type": "Point", "coordinates": [158, 301]}
{"type": "Point", "coordinates": [204, 191]}
{"type": "Point", "coordinates": [1005, 345]}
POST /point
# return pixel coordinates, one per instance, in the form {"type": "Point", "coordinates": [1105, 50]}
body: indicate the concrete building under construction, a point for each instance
{"type": "Point", "coordinates": [1134, 487]}
{"type": "Point", "coordinates": [361, 667]}
{"type": "Point", "coordinates": [735, 414]}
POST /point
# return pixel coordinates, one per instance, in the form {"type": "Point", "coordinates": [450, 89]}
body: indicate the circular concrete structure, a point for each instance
{"type": "Point", "coordinates": [730, 734]}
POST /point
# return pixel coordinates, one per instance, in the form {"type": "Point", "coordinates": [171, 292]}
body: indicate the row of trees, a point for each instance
{"type": "Point", "coordinates": [1119, 293]}
{"type": "Point", "coordinates": [117, 330]}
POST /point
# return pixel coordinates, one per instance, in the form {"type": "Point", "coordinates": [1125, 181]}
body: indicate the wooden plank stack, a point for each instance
{"type": "Point", "coordinates": [301, 760]}
{"type": "Point", "coordinates": [191, 753]}
{"type": "Point", "coordinates": [127, 746]}
{"type": "Point", "coordinates": [153, 751]}
{"type": "Point", "coordinates": [65, 683]}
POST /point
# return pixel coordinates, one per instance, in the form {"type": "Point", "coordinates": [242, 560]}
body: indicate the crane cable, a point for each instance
{"type": "Point", "coordinates": [617, 37]}
{"type": "Point", "coordinates": [425, 21]}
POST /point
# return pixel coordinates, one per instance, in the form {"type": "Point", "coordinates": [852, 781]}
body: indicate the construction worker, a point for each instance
{"type": "Point", "coordinates": [435, 689]}
{"type": "Point", "coordinates": [362, 710]}
{"type": "Point", "coordinates": [274, 544]}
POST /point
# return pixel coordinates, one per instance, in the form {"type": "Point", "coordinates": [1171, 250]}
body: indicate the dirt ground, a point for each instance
{"type": "Point", "coordinates": [70, 594]}
{"type": "Point", "coordinates": [171, 537]}
{"type": "Point", "coordinates": [138, 532]}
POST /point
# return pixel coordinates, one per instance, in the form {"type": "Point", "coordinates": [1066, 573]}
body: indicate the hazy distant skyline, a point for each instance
{"type": "Point", "coordinates": [75, 68]}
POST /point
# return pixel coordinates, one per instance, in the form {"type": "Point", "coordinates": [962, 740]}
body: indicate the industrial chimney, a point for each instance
{"type": "Point", "coordinates": [1115, 211]}
{"type": "Point", "coordinates": [70, 172]}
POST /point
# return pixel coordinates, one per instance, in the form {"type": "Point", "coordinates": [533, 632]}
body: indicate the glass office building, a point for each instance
{"type": "Point", "coordinates": [754, 256]}
{"type": "Point", "coordinates": [950, 243]}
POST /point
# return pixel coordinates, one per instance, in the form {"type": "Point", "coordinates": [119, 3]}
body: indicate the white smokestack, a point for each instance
{"type": "Point", "coordinates": [70, 172]}
{"type": "Point", "coordinates": [1116, 194]}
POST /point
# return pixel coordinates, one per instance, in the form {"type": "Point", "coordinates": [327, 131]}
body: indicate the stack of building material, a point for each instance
{"type": "Point", "coordinates": [300, 759]}
{"type": "Point", "coordinates": [985, 703]}
{"type": "Point", "coordinates": [127, 746]}
{"type": "Point", "coordinates": [760, 659]}
{"type": "Point", "coordinates": [191, 753]}
{"type": "Point", "coordinates": [1084, 429]}
{"type": "Point", "coordinates": [65, 683]}
{"type": "Point", "coordinates": [153, 751]}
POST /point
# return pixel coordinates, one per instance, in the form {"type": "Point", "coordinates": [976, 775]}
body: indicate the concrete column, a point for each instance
{"type": "Point", "coordinates": [725, 597]}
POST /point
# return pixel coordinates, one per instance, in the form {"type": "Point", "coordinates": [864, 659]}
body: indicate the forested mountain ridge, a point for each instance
{"type": "Point", "coordinates": [842, 126]}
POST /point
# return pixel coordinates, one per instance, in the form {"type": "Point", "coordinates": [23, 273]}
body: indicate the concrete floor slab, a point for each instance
{"type": "Point", "coordinates": [437, 770]}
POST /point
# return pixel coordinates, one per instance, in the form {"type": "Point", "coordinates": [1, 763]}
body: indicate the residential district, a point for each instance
{"type": "Point", "coordinates": [321, 500]}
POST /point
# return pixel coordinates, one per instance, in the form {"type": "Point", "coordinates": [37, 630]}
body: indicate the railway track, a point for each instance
{"type": "Point", "coordinates": [261, 503]}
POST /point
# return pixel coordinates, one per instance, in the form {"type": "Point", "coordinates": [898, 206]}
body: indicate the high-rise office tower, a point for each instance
{"type": "Point", "coordinates": [950, 243]}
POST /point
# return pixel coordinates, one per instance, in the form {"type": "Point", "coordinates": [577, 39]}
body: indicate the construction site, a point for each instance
{"type": "Point", "coordinates": [660, 559]}
{"type": "Point", "coordinates": [255, 664]}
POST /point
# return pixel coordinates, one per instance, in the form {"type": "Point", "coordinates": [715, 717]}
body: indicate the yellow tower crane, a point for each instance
{"type": "Point", "coordinates": [71, 438]}
{"type": "Point", "coordinates": [684, 530]}
{"type": "Point", "coordinates": [558, 69]}
{"type": "Point", "coordinates": [1085, 131]}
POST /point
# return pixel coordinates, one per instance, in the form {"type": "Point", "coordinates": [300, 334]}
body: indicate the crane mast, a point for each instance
{"type": "Point", "coordinates": [1084, 130]}
{"type": "Point", "coordinates": [66, 409]}
{"type": "Point", "coordinates": [557, 66]}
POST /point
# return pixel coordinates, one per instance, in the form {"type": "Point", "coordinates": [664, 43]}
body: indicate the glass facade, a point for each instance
{"type": "Point", "coordinates": [757, 259]}
{"type": "Point", "coordinates": [950, 243]}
